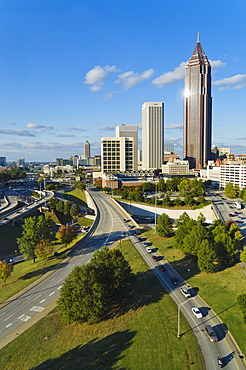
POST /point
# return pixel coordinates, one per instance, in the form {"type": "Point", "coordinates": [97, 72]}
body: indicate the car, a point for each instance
{"type": "Point", "coordinates": [237, 222]}
{"type": "Point", "coordinates": [124, 220]}
{"type": "Point", "coordinates": [196, 312]}
{"type": "Point", "coordinates": [174, 281]}
{"type": "Point", "coordinates": [130, 226]}
{"type": "Point", "coordinates": [145, 244]}
{"type": "Point", "coordinates": [185, 292]}
{"type": "Point", "coordinates": [155, 258]}
{"type": "Point", "coordinates": [230, 215]}
{"type": "Point", "coordinates": [211, 333]}
{"type": "Point", "coordinates": [235, 213]}
{"type": "Point", "coordinates": [148, 249]}
{"type": "Point", "coordinates": [139, 238]}
{"type": "Point", "coordinates": [162, 268]}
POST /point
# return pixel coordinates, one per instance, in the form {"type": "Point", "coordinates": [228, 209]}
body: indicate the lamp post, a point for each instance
{"type": "Point", "coordinates": [155, 205]}
{"type": "Point", "coordinates": [179, 305]}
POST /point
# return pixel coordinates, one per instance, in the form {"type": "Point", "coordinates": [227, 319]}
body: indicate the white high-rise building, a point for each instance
{"type": "Point", "coordinates": [152, 135]}
{"type": "Point", "coordinates": [117, 154]}
{"type": "Point", "coordinates": [130, 131]}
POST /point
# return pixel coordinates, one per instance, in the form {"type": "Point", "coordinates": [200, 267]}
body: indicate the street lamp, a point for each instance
{"type": "Point", "coordinates": [179, 305]}
{"type": "Point", "coordinates": [155, 205]}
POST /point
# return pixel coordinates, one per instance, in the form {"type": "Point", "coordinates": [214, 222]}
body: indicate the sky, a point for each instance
{"type": "Point", "coordinates": [72, 70]}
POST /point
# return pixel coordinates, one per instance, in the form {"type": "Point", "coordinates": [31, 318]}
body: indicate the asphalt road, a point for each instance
{"type": "Point", "coordinates": [21, 312]}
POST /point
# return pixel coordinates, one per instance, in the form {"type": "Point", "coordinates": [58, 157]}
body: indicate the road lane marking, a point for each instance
{"type": "Point", "coordinates": [51, 294]}
{"type": "Point", "coordinates": [59, 287]}
{"type": "Point", "coordinates": [25, 318]}
{"type": "Point", "coordinates": [43, 300]}
{"type": "Point", "coordinates": [7, 326]}
{"type": "Point", "coordinates": [37, 297]}
{"type": "Point", "coordinates": [59, 280]}
{"type": "Point", "coordinates": [3, 313]}
{"type": "Point", "coordinates": [7, 317]}
{"type": "Point", "coordinates": [20, 317]}
{"type": "Point", "coordinates": [37, 309]}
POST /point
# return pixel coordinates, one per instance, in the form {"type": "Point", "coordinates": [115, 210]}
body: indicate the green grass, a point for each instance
{"type": "Point", "coordinates": [76, 196]}
{"type": "Point", "coordinates": [219, 290]}
{"type": "Point", "coordinates": [143, 336]}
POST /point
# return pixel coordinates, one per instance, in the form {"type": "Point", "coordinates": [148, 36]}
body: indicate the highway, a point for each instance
{"type": "Point", "coordinates": [20, 313]}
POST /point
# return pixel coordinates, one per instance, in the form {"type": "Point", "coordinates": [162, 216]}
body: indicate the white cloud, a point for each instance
{"type": "Point", "coordinates": [130, 78]}
{"type": "Point", "coordinates": [17, 132]}
{"type": "Point", "coordinates": [170, 77]}
{"type": "Point", "coordinates": [234, 82]}
{"type": "Point", "coordinates": [174, 126]}
{"type": "Point", "coordinates": [38, 128]}
{"type": "Point", "coordinates": [71, 128]}
{"type": "Point", "coordinates": [97, 75]}
{"type": "Point", "coordinates": [216, 64]}
{"type": "Point", "coordinates": [107, 128]}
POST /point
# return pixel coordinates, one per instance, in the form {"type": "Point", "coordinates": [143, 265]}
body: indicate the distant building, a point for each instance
{"type": "Point", "coordinates": [75, 160]}
{"type": "Point", "coordinates": [59, 162]}
{"type": "Point", "coordinates": [168, 147]}
{"type": "Point", "coordinates": [197, 109]}
{"type": "Point", "coordinates": [2, 161]}
{"type": "Point", "coordinates": [234, 173]}
{"type": "Point", "coordinates": [152, 135]}
{"type": "Point", "coordinates": [117, 154]}
{"type": "Point", "coordinates": [130, 131]}
{"type": "Point", "coordinates": [20, 162]}
{"type": "Point", "coordinates": [170, 157]}
{"type": "Point", "coordinates": [176, 168]}
{"type": "Point", "coordinates": [87, 149]}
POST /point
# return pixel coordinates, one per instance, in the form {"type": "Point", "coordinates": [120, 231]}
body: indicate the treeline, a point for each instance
{"type": "Point", "coordinates": [190, 192]}
{"type": "Point", "coordinates": [67, 208]}
{"type": "Point", "coordinates": [212, 246]}
{"type": "Point", "coordinates": [14, 173]}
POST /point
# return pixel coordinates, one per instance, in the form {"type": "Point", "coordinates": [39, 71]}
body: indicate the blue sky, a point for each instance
{"type": "Point", "coordinates": [72, 70]}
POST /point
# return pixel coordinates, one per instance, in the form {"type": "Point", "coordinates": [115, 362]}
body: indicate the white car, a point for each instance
{"type": "Point", "coordinates": [196, 312]}
{"type": "Point", "coordinates": [148, 249]}
{"type": "Point", "coordinates": [145, 244]}
{"type": "Point", "coordinates": [185, 292]}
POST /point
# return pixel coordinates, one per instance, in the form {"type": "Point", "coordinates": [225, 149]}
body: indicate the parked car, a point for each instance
{"type": "Point", "coordinates": [196, 312]}
{"type": "Point", "coordinates": [162, 268]}
{"type": "Point", "coordinates": [230, 215]}
{"type": "Point", "coordinates": [148, 249]}
{"type": "Point", "coordinates": [155, 258]}
{"type": "Point", "coordinates": [185, 292]}
{"type": "Point", "coordinates": [145, 244]}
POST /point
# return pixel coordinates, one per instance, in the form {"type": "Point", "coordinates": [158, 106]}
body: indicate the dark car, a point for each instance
{"type": "Point", "coordinates": [174, 281]}
{"type": "Point", "coordinates": [162, 268]}
{"type": "Point", "coordinates": [155, 258]}
{"type": "Point", "coordinates": [230, 215]}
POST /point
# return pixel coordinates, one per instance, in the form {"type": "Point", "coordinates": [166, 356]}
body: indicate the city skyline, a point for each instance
{"type": "Point", "coordinates": [74, 71]}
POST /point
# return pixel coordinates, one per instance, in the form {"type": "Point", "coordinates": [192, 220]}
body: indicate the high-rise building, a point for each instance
{"type": "Point", "coordinates": [197, 109]}
{"type": "Point", "coordinates": [152, 135]}
{"type": "Point", "coordinates": [2, 161]}
{"type": "Point", "coordinates": [87, 149]}
{"type": "Point", "coordinates": [117, 154]}
{"type": "Point", "coordinates": [130, 131]}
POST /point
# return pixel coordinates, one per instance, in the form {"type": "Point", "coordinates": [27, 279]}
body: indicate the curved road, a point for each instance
{"type": "Point", "coordinates": [28, 308]}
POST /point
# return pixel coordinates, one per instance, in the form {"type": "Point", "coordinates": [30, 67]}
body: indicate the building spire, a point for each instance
{"type": "Point", "coordinates": [198, 36]}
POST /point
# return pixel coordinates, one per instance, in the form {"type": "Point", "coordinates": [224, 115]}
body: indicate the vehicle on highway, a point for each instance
{"type": "Point", "coordinates": [235, 213]}
{"type": "Point", "coordinates": [162, 268]}
{"type": "Point", "coordinates": [196, 312]}
{"type": "Point", "coordinates": [174, 280]}
{"type": "Point", "coordinates": [148, 249]}
{"type": "Point", "coordinates": [230, 215]}
{"type": "Point", "coordinates": [185, 292]}
{"type": "Point", "coordinates": [211, 333]}
{"type": "Point", "coordinates": [155, 258]}
{"type": "Point", "coordinates": [145, 244]}
{"type": "Point", "coordinates": [124, 220]}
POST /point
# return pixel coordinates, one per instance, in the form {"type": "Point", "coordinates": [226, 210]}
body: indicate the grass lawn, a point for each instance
{"type": "Point", "coordinates": [219, 290]}
{"type": "Point", "coordinates": [76, 196]}
{"type": "Point", "coordinates": [142, 336]}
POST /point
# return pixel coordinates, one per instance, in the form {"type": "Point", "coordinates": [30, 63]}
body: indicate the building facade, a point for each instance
{"type": "Point", "coordinates": [197, 109]}
{"type": "Point", "coordinates": [130, 131]}
{"type": "Point", "coordinates": [117, 154]}
{"type": "Point", "coordinates": [236, 174]}
{"type": "Point", "coordinates": [152, 135]}
{"type": "Point", "coordinates": [87, 149]}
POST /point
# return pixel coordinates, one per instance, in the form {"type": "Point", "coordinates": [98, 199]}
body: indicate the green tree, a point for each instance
{"type": "Point", "coordinates": [243, 255]}
{"type": "Point", "coordinates": [75, 210]}
{"type": "Point", "coordinates": [166, 201]}
{"type": "Point", "coordinates": [91, 290]}
{"type": "Point", "coordinates": [44, 248]}
{"type": "Point", "coordinates": [242, 194]}
{"type": "Point", "coordinates": [161, 186]}
{"type": "Point", "coordinates": [192, 188]}
{"type": "Point", "coordinates": [60, 206]}
{"type": "Point", "coordinates": [66, 234]}
{"type": "Point", "coordinates": [206, 257]}
{"type": "Point", "coordinates": [35, 229]}
{"type": "Point", "coordinates": [79, 185]}
{"type": "Point", "coordinates": [224, 246]}
{"type": "Point", "coordinates": [67, 207]}
{"type": "Point", "coordinates": [178, 202]}
{"type": "Point", "coordinates": [6, 270]}
{"type": "Point", "coordinates": [230, 190]}
{"type": "Point", "coordinates": [193, 240]}
{"type": "Point", "coordinates": [52, 203]}
{"type": "Point", "coordinates": [184, 227]}
{"type": "Point", "coordinates": [164, 225]}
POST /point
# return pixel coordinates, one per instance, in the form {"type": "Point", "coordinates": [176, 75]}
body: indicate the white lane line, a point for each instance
{"type": "Point", "coordinates": [7, 326]}
{"type": "Point", "coordinates": [25, 318]}
{"type": "Point", "coordinates": [37, 297]}
{"type": "Point", "coordinates": [52, 279]}
{"type": "Point", "coordinates": [20, 317]}
{"type": "Point", "coordinates": [3, 313]}
{"type": "Point", "coordinates": [36, 309]}
{"type": "Point", "coordinates": [7, 318]}
{"type": "Point", "coordinates": [59, 280]}
{"type": "Point", "coordinates": [43, 300]}
{"type": "Point", "coordinates": [51, 294]}
{"type": "Point", "coordinates": [59, 287]}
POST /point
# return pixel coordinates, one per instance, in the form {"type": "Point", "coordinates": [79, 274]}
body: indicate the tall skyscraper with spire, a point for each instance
{"type": "Point", "coordinates": [197, 109]}
{"type": "Point", "coordinates": [87, 149]}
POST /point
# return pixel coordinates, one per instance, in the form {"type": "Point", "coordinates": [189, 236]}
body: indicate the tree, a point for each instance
{"type": "Point", "coordinates": [161, 186]}
{"type": "Point", "coordinates": [52, 203]}
{"type": "Point", "coordinates": [166, 201]}
{"type": "Point", "coordinates": [91, 290]}
{"type": "Point", "coordinates": [193, 240]}
{"type": "Point", "coordinates": [67, 208]}
{"type": "Point", "coordinates": [231, 190]}
{"type": "Point", "coordinates": [184, 227]}
{"type": "Point", "coordinates": [75, 210]}
{"type": "Point", "coordinates": [164, 225]}
{"type": "Point", "coordinates": [241, 300]}
{"type": "Point", "coordinates": [35, 229]}
{"type": "Point", "coordinates": [66, 234]}
{"type": "Point", "coordinates": [191, 188]}
{"type": "Point", "coordinates": [6, 270]}
{"type": "Point", "coordinates": [60, 206]}
{"type": "Point", "coordinates": [206, 257]}
{"type": "Point", "coordinates": [79, 185]}
{"type": "Point", "coordinates": [224, 246]}
{"type": "Point", "coordinates": [44, 248]}
{"type": "Point", "coordinates": [243, 256]}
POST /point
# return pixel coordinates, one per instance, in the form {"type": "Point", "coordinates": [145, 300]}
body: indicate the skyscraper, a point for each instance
{"type": "Point", "coordinates": [87, 149]}
{"type": "Point", "coordinates": [197, 109]}
{"type": "Point", "coordinates": [130, 131]}
{"type": "Point", "coordinates": [152, 135]}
